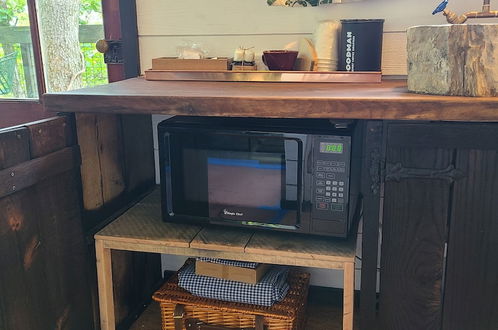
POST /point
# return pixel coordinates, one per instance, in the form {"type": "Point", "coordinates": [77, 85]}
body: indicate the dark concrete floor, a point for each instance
{"type": "Point", "coordinates": [324, 312]}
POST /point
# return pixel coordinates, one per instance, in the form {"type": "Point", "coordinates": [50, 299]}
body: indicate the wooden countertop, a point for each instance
{"type": "Point", "coordinates": [387, 100]}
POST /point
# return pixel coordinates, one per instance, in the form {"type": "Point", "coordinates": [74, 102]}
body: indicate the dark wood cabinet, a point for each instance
{"type": "Point", "coordinates": [439, 250]}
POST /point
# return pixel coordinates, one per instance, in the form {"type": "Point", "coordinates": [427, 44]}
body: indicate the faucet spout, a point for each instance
{"type": "Point", "coordinates": [486, 12]}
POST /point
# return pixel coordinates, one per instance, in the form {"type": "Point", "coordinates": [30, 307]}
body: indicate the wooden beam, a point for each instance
{"type": "Point", "coordinates": [21, 34]}
{"type": "Point", "coordinates": [26, 174]}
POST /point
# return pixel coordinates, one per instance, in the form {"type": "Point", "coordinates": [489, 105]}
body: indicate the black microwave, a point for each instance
{"type": "Point", "coordinates": [299, 175]}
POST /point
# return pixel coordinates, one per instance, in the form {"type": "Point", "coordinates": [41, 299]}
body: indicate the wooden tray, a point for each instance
{"type": "Point", "coordinates": [265, 76]}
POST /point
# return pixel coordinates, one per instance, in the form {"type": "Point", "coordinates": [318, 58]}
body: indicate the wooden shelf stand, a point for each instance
{"type": "Point", "coordinates": [141, 229]}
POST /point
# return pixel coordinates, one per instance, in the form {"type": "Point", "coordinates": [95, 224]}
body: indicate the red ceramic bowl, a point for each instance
{"type": "Point", "coordinates": [281, 60]}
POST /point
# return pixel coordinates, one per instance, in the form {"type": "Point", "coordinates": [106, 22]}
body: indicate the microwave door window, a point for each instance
{"type": "Point", "coordinates": [257, 185]}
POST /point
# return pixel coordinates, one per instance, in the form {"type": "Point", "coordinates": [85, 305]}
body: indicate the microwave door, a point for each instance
{"type": "Point", "coordinates": [254, 183]}
{"type": "Point", "coordinates": [248, 179]}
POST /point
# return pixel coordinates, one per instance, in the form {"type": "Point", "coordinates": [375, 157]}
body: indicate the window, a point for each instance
{"type": "Point", "coordinates": [67, 36]}
{"type": "Point", "coordinates": [46, 45]}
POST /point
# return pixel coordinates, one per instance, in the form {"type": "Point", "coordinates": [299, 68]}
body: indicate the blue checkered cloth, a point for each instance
{"type": "Point", "coordinates": [235, 263]}
{"type": "Point", "coordinates": [272, 288]}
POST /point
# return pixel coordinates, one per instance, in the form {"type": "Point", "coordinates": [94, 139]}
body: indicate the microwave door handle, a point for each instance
{"type": "Point", "coordinates": [309, 164]}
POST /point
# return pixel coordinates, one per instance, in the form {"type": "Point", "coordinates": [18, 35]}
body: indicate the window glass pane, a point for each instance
{"type": "Point", "coordinates": [68, 32]}
{"type": "Point", "coordinates": [17, 68]}
{"type": "Point", "coordinates": [91, 30]}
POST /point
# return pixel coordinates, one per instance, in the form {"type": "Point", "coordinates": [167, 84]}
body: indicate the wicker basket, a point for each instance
{"type": "Point", "coordinates": [289, 314]}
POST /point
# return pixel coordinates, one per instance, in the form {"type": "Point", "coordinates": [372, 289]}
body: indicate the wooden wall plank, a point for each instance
{"type": "Point", "coordinates": [111, 156]}
{"type": "Point", "coordinates": [138, 152]}
{"type": "Point", "coordinates": [43, 277]}
{"type": "Point", "coordinates": [86, 126]}
{"type": "Point", "coordinates": [102, 168]}
{"type": "Point", "coordinates": [58, 209]}
{"type": "Point", "coordinates": [26, 174]}
{"type": "Point", "coordinates": [413, 240]}
{"type": "Point", "coordinates": [471, 299]}
{"type": "Point", "coordinates": [49, 135]}
{"type": "Point", "coordinates": [14, 147]}
{"type": "Point", "coordinates": [191, 17]}
{"type": "Point", "coordinates": [371, 191]}
{"type": "Point", "coordinates": [393, 61]}
{"type": "Point", "coordinates": [22, 299]}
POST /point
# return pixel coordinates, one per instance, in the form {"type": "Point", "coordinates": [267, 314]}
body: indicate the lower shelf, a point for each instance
{"type": "Point", "coordinates": [324, 312]}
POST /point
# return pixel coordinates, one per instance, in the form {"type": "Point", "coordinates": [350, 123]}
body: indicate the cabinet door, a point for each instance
{"type": "Point", "coordinates": [471, 288]}
{"type": "Point", "coordinates": [439, 228]}
{"type": "Point", "coordinates": [413, 238]}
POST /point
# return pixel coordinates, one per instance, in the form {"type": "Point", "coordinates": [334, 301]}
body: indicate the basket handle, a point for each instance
{"type": "Point", "coordinates": [196, 324]}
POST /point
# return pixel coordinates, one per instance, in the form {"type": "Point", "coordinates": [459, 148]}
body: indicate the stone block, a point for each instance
{"type": "Point", "coordinates": [460, 59]}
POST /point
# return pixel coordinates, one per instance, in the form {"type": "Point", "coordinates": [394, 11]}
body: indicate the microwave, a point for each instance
{"type": "Point", "coordinates": [295, 175]}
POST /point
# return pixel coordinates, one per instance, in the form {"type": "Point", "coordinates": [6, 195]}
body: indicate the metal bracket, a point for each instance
{"type": "Point", "coordinates": [114, 52]}
{"type": "Point", "coordinates": [396, 172]}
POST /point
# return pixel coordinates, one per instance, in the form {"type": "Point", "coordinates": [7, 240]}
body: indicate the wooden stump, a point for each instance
{"type": "Point", "coordinates": [453, 59]}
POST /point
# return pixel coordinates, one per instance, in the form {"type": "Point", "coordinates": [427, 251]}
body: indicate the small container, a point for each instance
{"type": "Point", "coordinates": [361, 45]}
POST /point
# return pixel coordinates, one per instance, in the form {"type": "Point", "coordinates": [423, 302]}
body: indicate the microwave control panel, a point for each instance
{"type": "Point", "coordinates": [331, 168]}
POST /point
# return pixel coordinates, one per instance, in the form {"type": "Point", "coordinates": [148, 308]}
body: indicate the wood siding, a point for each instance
{"type": "Point", "coordinates": [44, 279]}
{"type": "Point", "coordinates": [223, 25]}
{"type": "Point", "coordinates": [439, 230]}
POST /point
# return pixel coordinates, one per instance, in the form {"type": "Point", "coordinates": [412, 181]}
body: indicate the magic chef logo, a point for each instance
{"type": "Point", "coordinates": [232, 213]}
{"type": "Point", "coordinates": [350, 43]}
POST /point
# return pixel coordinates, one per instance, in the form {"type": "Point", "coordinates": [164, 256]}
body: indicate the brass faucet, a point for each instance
{"type": "Point", "coordinates": [486, 12]}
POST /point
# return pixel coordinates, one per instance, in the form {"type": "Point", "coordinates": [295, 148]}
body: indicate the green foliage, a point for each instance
{"type": "Point", "coordinates": [12, 12]}
{"type": "Point", "coordinates": [90, 12]}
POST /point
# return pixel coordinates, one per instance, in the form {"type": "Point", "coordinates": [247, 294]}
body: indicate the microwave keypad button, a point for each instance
{"type": "Point", "coordinates": [341, 200]}
{"type": "Point", "coordinates": [327, 200]}
{"type": "Point", "coordinates": [320, 175]}
{"type": "Point", "coordinates": [327, 194]}
{"type": "Point", "coordinates": [320, 168]}
{"type": "Point", "coordinates": [328, 169]}
{"type": "Point", "coordinates": [341, 164]}
{"type": "Point", "coordinates": [334, 200]}
{"type": "Point", "coordinates": [341, 183]}
{"type": "Point", "coordinates": [320, 190]}
{"type": "Point", "coordinates": [334, 183]}
{"type": "Point", "coordinates": [341, 189]}
{"type": "Point", "coordinates": [322, 206]}
{"type": "Point", "coordinates": [327, 182]}
{"type": "Point", "coordinates": [335, 194]}
{"type": "Point", "coordinates": [333, 163]}
{"type": "Point", "coordinates": [330, 176]}
{"type": "Point", "coordinates": [327, 188]}
{"type": "Point", "coordinates": [320, 182]}
{"type": "Point", "coordinates": [320, 162]}
{"type": "Point", "coordinates": [334, 188]}
{"type": "Point", "coordinates": [320, 199]}
{"type": "Point", "coordinates": [341, 195]}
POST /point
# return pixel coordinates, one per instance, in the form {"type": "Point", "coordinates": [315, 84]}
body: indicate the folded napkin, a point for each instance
{"type": "Point", "coordinates": [272, 288]}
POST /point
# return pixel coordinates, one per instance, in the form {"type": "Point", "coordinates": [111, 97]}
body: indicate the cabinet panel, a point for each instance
{"type": "Point", "coordinates": [413, 239]}
{"type": "Point", "coordinates": [471, 290]}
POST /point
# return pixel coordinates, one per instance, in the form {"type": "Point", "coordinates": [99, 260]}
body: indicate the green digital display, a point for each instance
{"type": "Point", "coordinates": [331, 148]}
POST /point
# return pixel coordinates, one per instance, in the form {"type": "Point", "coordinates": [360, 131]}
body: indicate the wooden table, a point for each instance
{"type": "Point", "coordinates": [141, 229]}
{"type": "Point", "coordinates": [389, 99]}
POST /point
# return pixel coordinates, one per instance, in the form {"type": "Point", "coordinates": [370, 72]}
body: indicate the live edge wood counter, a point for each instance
{"type": "Point", "coordinates": [387, 100]}
{"type": "Point", "coordinates": [141, 229]}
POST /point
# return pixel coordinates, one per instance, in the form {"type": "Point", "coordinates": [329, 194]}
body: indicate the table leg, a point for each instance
{"type": "Point", "coordinates": [348, 303]}
{"type": "Point", "coordinates": [104, 275]}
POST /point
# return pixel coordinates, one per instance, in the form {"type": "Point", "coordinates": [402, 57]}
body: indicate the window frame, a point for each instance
{"type": "Point", "coordinates": [16, 111]}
